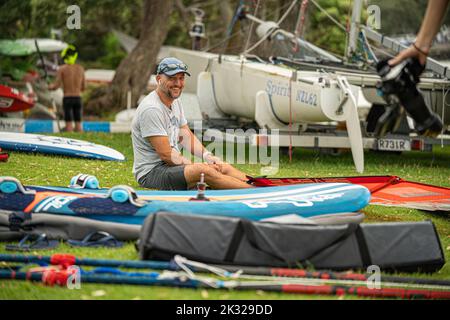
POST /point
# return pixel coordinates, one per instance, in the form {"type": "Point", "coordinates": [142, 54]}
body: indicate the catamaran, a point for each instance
{"type": "Point", "coordinates": [287, 94]}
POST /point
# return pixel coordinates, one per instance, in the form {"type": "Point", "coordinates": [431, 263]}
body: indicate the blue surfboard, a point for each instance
{"type": "Point", "coordinates": [25, 142]}
{"type": "Point", "coordinates": [302, 201]}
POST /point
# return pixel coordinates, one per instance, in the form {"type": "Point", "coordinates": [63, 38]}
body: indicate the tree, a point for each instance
{"type": "Point", "coordinates": [325, 33]}
{"type": "Point", "coordinates": [135, 70]}
{"type": "Point", "coordinates": [15, 18]}
{"type": "Point", "coordinates": [400, 16]}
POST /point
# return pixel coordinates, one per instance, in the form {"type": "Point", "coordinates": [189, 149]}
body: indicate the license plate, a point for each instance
{"type": "Point", "coordinates": [394, 145]}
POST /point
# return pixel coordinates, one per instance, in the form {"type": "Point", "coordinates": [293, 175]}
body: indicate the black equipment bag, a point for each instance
{"type": "Point", "coordinates": [15, 225]}
{"type": "Point", "coordinates": [405, 246]}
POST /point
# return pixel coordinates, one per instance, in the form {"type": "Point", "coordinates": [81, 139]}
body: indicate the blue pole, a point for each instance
{"type": "Point", "coordinates": [107, 279]}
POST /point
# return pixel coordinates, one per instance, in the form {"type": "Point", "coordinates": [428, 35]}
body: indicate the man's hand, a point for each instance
{"type": "Point", "coordinates": [411, 52]}
{"type": "Point", "coordinates": [211, 159]}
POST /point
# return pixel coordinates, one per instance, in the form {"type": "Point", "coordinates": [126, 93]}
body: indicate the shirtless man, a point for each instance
{"type": "Point", "coordinates": [158, 128]}
{"type": "Point", "coordinates": [70, 77]}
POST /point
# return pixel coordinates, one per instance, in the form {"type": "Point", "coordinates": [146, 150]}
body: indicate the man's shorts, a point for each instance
{"type": "Point", "coordinates": [72, 109]}
{"type": "Point", "coordinates": [164, 177]}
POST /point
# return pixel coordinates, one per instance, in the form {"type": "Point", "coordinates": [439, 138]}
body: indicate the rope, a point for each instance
{"type": "Point", "coordinates": [346, 29]}
{"type": "Point", "coordinates": [58, 275]}
{"type": "Point", "coordinates": [221, 42]}
{"type": "Point", "coordinates": [366, 46]}
{"type": "Point", "coordinates": [251, 27]}
{"type": "Point", "coordinates": [239, 275]}
{"type": "Point", "coordinates": [229, 37]}
{"type": "Point", "coordinates": [340, 25]}
{"type": "Point", "coordinates": [267, 35]}
{"type": "Point", "coordinates": [444, 104]}
{"type": "Point", "coordinates": [293, 76]}
{"type": "Point", "coordinates": [181, 262]}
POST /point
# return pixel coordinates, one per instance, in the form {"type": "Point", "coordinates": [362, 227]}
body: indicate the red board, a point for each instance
{"type": "Point", "coordinates": [11, 100]}
{"type": "Point", "coordinates": [385, 190]}
{"type": "Point", "coordinates": [3, 156]}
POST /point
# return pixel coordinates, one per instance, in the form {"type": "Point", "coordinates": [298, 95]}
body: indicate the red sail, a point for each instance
{"type": "Point", "coordinates": [385, 190]}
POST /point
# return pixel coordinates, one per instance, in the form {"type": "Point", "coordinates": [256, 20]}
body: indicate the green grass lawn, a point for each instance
{"type": "Point", "coordinates": [432, 168]}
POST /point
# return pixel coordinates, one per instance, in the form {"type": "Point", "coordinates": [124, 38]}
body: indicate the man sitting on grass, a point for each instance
{"type": "Point", "coordinates": [157, 129]}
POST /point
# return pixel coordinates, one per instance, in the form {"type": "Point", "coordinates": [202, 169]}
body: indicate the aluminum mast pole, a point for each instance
{"type": "Point", "coordinates": [354, 28]}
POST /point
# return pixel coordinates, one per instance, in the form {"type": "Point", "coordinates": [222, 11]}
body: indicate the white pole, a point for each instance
{"type": "Point", "coordinates": [354, 28]}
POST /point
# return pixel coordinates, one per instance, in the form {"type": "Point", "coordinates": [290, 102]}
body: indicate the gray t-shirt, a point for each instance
{"type": "Point", "coordinates": [153, 118]}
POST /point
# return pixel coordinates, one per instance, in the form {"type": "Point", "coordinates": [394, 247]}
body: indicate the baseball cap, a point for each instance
{"type": "Point", "coordinates": [171, 66]}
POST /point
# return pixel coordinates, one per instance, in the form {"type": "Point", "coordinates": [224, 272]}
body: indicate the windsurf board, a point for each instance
{"type": "Point", "coordinates": [26, 142]}
{"type": "Point", "coordinates": [285, 203]}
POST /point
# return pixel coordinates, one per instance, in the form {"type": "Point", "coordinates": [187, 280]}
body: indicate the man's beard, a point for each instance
{"type": "Point", "coordinates": [170, 95]}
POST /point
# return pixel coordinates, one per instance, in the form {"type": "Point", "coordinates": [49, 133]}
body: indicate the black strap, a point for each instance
{"type": "Point", "coordinates": [16, 219]}
{"type": "Point", "coordinates": [363, 248]}
{"type": "Point", "coordinates": [234, 243]}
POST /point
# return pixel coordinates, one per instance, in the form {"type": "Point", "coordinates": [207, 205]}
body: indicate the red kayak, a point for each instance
{"type": "Point", "coordinates": [11, 100]}
{"type": "Point", "coordinates": [385, 190]}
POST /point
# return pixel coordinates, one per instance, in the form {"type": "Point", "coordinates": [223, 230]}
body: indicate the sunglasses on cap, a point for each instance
{"type": "Point", "coordinates": [171, 67]}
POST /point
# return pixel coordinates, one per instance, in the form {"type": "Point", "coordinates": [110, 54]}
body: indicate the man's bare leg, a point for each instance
{"type": "Point", "coordinates": [213, 178]}
{"type": "Point", "coordinates": [69, 126]}
{"type": "Point", "coordinates": [229, 170]}
{"type": "Point", "coordinates": [78, 127]}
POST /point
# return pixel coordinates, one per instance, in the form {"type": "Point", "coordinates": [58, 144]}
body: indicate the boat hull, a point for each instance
{"type": "Point", "coordinates": [236, 83]}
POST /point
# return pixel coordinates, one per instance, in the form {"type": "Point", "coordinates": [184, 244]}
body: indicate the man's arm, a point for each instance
{"type": "Point", "coordinates": [191, 142]}
{"type": "Point", "coordinates": [431, 24]}
{"type": "Point", "coordinates": [83, 80]}
{"type": "Point", "coordinates": [58, 81]}
{"type": "Point", "coordinates": [167, 154]}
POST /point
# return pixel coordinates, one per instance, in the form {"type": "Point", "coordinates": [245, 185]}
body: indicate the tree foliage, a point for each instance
{"type": "Point", "coordinates": [35, 18]}
{"type": "Point", "coordinates": [322, 31]}
{"type": "Point", "coordinates": [15, 18]}
{"type": "Point", "coordinates": [135, 69]}
{"type": "Point", "coordinates": [400, 16]}
{"type": "Point", "coordinates": [100, 49]}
